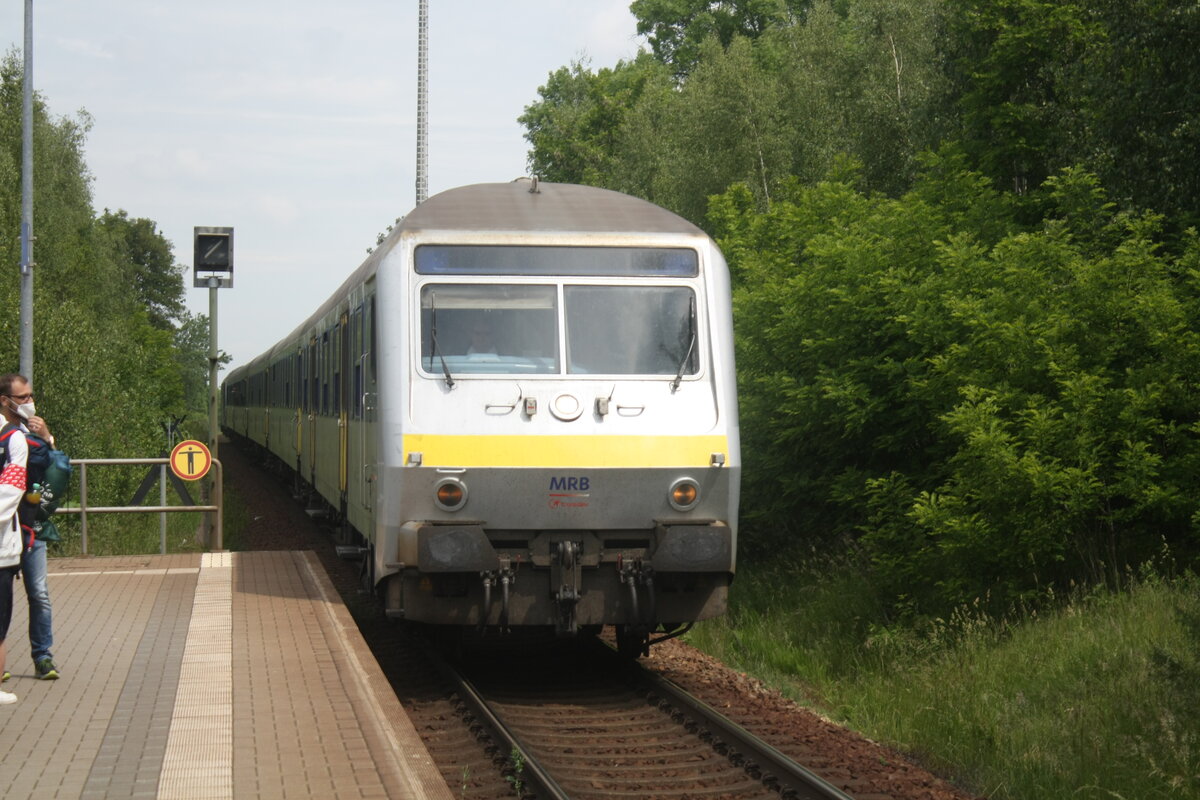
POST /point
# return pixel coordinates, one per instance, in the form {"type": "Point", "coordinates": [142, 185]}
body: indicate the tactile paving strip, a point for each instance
{"type": "Point", "coordinates": [199, 756]}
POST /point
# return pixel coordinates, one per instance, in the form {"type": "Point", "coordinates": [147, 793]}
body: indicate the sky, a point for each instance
{"type": "Point", "coordinates": [294, 122]}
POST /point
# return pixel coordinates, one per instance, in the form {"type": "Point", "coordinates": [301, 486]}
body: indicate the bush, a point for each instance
{"type": "Point", "coordinates": [990, 409]}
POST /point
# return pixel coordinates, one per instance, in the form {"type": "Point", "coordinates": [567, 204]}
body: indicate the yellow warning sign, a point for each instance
{"type": "Point", "coordinates": [190, 460]}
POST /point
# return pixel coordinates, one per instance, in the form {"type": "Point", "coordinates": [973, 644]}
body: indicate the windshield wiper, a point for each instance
{"type": "Point", "coordinates": [691, 344]}
{"type": "Point", "coordinates": [434, 341]}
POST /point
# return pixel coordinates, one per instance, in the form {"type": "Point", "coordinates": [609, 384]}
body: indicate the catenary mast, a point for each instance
{"type": "Point", "coordinates": [26, 318]}
{"type": "Point", "coordinates": [423, 102]}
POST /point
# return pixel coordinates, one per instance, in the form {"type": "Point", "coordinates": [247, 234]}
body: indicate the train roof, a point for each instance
{"type": "Point", "coordinates": [537, 206]}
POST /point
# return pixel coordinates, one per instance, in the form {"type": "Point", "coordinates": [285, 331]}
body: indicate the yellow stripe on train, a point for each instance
{"type": "Point", "coordinates": [564, 451]}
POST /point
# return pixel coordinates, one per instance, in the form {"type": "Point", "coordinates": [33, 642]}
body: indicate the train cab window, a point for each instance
{"type": "Point", "coordinates": [489, 329]}
{"type": "Point", "coordinates": [630, 330]}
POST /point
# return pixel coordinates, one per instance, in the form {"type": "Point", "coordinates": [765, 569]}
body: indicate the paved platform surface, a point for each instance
{"type": "Point", "coordinates": [223, 675]}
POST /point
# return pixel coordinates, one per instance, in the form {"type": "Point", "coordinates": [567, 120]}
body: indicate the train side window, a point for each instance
{"type": "Point", "coordinates": [314, 371]}
{"type": "Point", "coordinates": [324, 409]}
{"type": "Point", "coordinates": [338, 351]}
{"type": "Point", "coordinates": [357, 353]}
{"type": "Point", "coordinates": [372, 339]}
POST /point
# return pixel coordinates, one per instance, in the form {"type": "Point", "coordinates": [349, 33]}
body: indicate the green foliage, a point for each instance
{"type": "Point", "coordinates": [573, 129]}
{"type": "Point", "coordinates": [676, 29]}
{"type": "Point", "coordinates": [680, 146]}
{"type": "Point", "coordinates": [993, 409]}
{"type": "Point", "coordinates": [787, 91]}
{"type": "Point", "coordinates": [1108, 84]}
{"type": "Point", "coordinates": [758, 91]}
{"type": "Point", "coordinates": [192, 343]}
{"type": "Point", "coordinates": [146, 263]}
{"type": "Point", "coordinates": [1007, 62]}
{"type": "Point", "coordinates": [106, 359]}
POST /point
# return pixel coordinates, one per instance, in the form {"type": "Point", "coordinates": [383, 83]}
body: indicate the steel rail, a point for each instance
{"type": "Point", "coordinates": [535, 778]}
{"type": "Point", "coordinates": [778, 771]}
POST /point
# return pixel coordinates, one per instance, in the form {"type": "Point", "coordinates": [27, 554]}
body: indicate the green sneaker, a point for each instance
{"type": "Point", "coordinates": [45, 669]}
{"type": "Point", "coordinates": [5, 677]}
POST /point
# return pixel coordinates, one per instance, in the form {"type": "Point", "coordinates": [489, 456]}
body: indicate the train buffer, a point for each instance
{"type": "Point", "coordinates": [214, 675]}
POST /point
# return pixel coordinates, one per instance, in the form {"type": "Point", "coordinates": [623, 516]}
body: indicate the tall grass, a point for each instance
{"type": "Point", "coordinates": [1097, 696]}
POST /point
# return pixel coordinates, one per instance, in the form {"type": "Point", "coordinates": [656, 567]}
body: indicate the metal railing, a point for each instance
{"type": "Point", "coordinates": [83, 509]}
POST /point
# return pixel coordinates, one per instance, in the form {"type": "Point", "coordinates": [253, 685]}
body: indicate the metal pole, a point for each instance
{"type": "Point", "coordinates": [206, 526]}
{"type": "Point", "coordinates": [83, 483]}
{"type": "Point", "coordinates": [422, 102]}
{"type": "Point", "coordinates": [213, 358]}
{"type": "Point", "coordinates": [219, 502]}
{"type": "Point", "coordinates": [162, 501]}
{"type": "Point", "coordinates": [26, 356]}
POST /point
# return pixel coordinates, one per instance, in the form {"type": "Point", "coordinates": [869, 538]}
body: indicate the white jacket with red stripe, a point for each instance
{"type": "Point", "coordinates": [12, 489]}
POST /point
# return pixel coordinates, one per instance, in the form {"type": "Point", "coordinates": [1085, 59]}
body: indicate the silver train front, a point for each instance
{"type": "Point", "coordinates": [584, 473]}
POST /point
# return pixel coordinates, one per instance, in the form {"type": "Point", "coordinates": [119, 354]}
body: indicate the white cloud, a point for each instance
{"type": "Point", "coordinates": [278, 208]}
{"type": "Point", "coordinates": [85, 47]}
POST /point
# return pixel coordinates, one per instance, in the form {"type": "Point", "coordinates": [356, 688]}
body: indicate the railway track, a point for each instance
{"type": "Point", "coordinates": [582, 723]}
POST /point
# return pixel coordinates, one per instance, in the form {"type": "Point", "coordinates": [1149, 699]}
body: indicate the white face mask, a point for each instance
{"type": "Point", "coordinates": [25, 410]}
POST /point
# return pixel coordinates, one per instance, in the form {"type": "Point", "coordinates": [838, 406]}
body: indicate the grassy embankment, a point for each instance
{"type": "Point", "coordinates": [1097, 698]}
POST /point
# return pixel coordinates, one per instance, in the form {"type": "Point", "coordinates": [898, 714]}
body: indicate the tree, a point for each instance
{"type": "Point", "coordinates": [724, 125]}
{"type": "Point", "coordinates": [1003, 60]}
{"type": "Point", "coordinates": [1106, 84]}
{"type": "Point", "coordinates": [146, 263]}
{"type": "Point", "coordinates": [574, 129]}
{"type": "Point", "coordinates": [192, 342]}
{"type": "Point", "coordinates": [676, 29]}
{"type": "Point", "coordinates": [1136, 103]}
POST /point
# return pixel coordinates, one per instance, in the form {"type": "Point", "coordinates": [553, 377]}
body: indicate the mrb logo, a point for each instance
{"type": "Point", "coordinates": [569, 491]}
{"type": "Point", "coordinates": [566, 483]}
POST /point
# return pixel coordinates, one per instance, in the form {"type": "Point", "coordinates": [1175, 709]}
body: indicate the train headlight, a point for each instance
{"type": "Point", "coordinates": [684, 494]}
{"type": "Point", "coordinates": [450, 494]}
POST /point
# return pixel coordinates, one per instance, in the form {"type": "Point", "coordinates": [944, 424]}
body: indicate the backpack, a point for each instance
{"type": "Point", "coordinates": [48, 476]}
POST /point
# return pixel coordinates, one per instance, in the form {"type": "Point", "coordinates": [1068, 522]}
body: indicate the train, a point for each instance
{"type": "Point", "coordinates": [520, 413]}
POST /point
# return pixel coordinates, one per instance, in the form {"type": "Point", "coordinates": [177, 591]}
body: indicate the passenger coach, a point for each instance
{"type": "Point", "coordinates": [521, 409]}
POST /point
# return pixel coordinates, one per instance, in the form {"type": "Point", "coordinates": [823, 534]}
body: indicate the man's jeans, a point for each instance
{"type": "Point", "coordinates": [33, 573]}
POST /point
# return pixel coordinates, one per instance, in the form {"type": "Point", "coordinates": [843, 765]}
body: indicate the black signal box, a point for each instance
{"type": "Point", "coordinates": [213, 257]}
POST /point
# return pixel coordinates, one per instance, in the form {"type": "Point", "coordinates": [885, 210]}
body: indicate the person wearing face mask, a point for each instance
{"type": "Point", "coordinates": [20, 413]}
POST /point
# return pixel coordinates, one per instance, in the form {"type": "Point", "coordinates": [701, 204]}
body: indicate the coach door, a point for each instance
{"type": "Point", "coordinates": [367, 401]}
{"type": "Point", "coordinates": [314, 405]}
{"type": "Point", "coordinates": [342, 390]}
{"type": "Point", "coordinates": [296, 401]}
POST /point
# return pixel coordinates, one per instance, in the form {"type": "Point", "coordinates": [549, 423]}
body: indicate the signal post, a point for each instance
{"type": "Point", "coordinates": [212, 267]}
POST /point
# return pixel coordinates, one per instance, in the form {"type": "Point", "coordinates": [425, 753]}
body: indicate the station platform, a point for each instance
{"type": "Point", "coordinates": [219, 675]}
